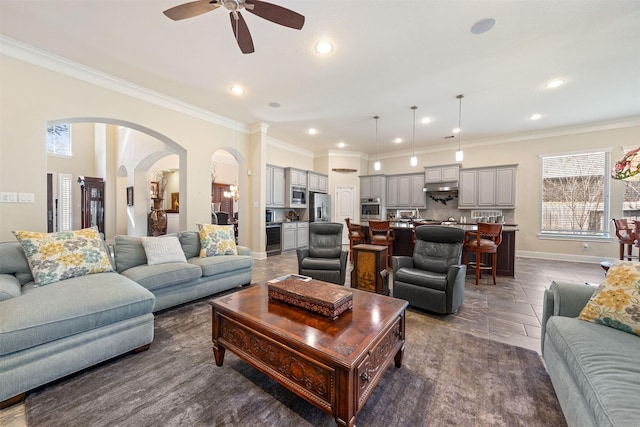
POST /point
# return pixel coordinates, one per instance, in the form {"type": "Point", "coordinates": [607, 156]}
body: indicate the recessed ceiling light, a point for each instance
{"type": "Point", "coordinates": [483, 26]}
{"type": "Point", "coordinates": [426, 120]}
{"type": "Point", "coordinates": [324, 47]}
{"type": "Point", "coordinates": [274, 104]}
{"type": "Point", "coordinates": [456, 130]}
{"type": "Point", "coordinates": [554, 84]}
{"type": "Point", "coordinates": [397, 140]}
{"type": "Point", "coordinates": [535, 116]}
{"type": "Point", "coordinates": [341, 144]}
{"type": "Point", "coordinates": [237, 90]}
{"type": "Point", "coordinates": [312, 131]}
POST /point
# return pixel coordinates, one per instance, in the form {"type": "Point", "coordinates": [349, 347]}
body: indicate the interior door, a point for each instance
{"type": "Point", "coordinates": [346, 208]}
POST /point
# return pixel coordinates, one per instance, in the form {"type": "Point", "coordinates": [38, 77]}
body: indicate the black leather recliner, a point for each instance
{"type": "Point", "coordinates": [433, 278]}
{"type": "Point", "coordinates": [324, 259]}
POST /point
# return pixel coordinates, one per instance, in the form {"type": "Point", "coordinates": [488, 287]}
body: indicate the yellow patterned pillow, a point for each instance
{"type": "Point", "coordinates": [616, 302]}
{"type": "Point", "coordinates": [57, 256]}
{"type": "Point", "coordinates": [217, 240]}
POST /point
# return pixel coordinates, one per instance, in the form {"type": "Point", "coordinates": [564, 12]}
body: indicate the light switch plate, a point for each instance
{"type": "Point", "coordinates": [8, 197]}
{"type": "Point", "coordinates": [26, 197]}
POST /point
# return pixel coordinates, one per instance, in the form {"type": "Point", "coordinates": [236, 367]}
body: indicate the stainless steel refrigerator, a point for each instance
{"type": "Point", "coordinates": [319, 207]}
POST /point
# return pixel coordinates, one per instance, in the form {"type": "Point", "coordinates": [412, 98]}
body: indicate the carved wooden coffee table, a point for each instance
{"type": "Point", "coordinates": [333, 364]}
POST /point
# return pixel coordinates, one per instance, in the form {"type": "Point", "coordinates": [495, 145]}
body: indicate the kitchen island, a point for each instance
{"type": "Point", "coordinates": [403, 244]}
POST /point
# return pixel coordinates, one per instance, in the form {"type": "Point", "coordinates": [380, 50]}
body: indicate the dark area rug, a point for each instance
{"type": "Point", "coordinates": [447, 378]}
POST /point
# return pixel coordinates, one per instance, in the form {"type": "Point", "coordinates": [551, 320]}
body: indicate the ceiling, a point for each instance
{"type": "Point", "coordinates": [388, 55]}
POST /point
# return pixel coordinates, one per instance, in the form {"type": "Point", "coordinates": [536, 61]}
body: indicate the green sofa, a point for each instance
{"type": "Point", "coordinates": [51, 331]}
{"type": "Point", "coordinates": [594, 368]}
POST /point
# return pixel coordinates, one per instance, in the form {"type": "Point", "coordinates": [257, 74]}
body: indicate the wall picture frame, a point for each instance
{"type": "Point", "coordinates": [129, 196]}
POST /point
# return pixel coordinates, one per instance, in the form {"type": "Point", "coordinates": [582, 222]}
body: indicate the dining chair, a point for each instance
{"type": "Point", "coordinates": [485, 240]}
{"type": "Point", "coordinates": [356, 236]}
{"type": "Point", "coordinates": [627, 236]}
{"type": "Point", "coordinates": [381, 233]}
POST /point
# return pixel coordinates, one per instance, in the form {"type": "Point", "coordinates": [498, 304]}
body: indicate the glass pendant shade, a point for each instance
{"type": "Point", "coordinates": [459, 156]}
{"type": "Point", "coordinates": [376, 165]}
{"type": "Point", "coordinates": [628, 167]}
{"type": "Point", "coordinates": [413, 161]}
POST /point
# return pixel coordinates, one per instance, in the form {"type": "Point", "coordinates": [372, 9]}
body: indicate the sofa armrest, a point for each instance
{"type": "Point", "coordinates": [564, 299]}
{"type": "Point", "coordinates": [243, 250]}
{"type": "Point", "coordinates": [399, 261]}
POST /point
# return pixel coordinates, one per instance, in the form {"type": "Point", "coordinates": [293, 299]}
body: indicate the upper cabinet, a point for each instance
{"type": "Point", "coordinates": [488, 187]}
{"type": "Point", "coordinates": [372, 186]}
{"type": "Point", "coordinates": [274, 187]}
{"type": "Point", "coordinates": [295, 182]}
{"type": "Point", "coordinates": [405, 191]}
{"type": "Point", "coordinates": [441, 173]}
{"type": "Point", "coordinates": [317, 182]}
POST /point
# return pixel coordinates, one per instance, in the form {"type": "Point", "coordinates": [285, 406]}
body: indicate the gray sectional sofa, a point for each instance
{"type": "Point", "coordinates": [51, 331]}
{"type": "Point", "coordinates": [594, 368]}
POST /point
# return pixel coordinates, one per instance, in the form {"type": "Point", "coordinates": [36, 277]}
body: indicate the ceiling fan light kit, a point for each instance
{"type": "Point", "coordinates": [270, 12]}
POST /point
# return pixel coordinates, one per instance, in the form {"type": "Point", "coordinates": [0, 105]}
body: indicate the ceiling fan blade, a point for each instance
{"type": "Point", "coordinates": [241, 31]}
{"type": "Point", "coordinates": [275, 13]}
{"type": "Point", "coordinates": [191, 9]}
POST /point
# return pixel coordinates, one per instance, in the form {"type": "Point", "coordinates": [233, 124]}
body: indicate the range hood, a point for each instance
{"type": "Point", "coordinates": [441, 187]}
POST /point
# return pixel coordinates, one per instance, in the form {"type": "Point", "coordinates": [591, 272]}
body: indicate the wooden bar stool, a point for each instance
{"type": "Point", "coordinates": [626, 237]}
{"type": "Point", "coordinates": [381, 233]}
{"type": "Point", "coordinates": [356, 236]}
{"type": "Point", "coordinates": [484, 241]}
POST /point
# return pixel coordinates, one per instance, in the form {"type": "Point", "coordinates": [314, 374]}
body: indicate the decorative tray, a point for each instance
{"type": "Point", "coordinates": [316, 296]}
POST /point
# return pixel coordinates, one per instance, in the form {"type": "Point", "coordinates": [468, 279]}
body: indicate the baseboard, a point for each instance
{"type": "Point", "coordinates": [563, 257]}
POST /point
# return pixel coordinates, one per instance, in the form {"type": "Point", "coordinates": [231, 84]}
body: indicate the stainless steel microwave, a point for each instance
{"type": "Point", "coordinates": [298, 196]}
{"type": "Point", "coordinates": [370, 209]}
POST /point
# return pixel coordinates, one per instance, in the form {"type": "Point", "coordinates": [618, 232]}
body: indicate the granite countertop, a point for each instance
{"type": "Point", "coordinates": [466, 227]}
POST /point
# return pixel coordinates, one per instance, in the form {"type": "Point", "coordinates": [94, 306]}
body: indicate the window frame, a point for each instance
{"type": "Point", "coordinates": [605, 235]}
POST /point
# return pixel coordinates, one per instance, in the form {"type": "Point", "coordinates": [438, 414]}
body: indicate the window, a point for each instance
{"type": "Point", "coordinates": [631, 200]}
{"type": "Point", "coordinates": [575, 194]}
{"type": "Point", "coordinates": [59, 139]}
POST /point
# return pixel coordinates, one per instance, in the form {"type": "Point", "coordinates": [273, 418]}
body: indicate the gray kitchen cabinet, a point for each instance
{"type": "Point", "coordinates": [289, 234]}
{"type": "Point", "coordinates": [274, 186]}
{"type": "Point", "coordinates": [401, 191]}
{"type": "Point", "coordinates": [295, 235]}
{"type": "Point", "coordinates": [317, 182]}
{"type": "Point", "coordinates": [441, 173]}
{"type": "Point", "coordinates": [297, 177]}
{"type": "Point", "coordinates": [302, 234]}
{"type": "Point", "coordinates": [373, 186]}
{"type": "Point", "coordinates": [488, 187]}
{"type": "Point", "coordinates": [418, 196]}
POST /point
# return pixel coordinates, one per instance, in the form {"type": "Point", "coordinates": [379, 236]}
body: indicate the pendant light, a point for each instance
{"type": "Point", "coordinates": [376, 165]}
{"type": "Point", "coordinates": [459, 153]}
{"type": "Point", "coordinates": [414, 160]}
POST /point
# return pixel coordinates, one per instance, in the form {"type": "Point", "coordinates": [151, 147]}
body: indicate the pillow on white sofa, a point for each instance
{"type": "Point", "coordinates": [160, 250]}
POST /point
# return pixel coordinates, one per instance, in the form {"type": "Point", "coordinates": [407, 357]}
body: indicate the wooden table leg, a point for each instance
{"type": "Point", "coordinates": [218, 353]}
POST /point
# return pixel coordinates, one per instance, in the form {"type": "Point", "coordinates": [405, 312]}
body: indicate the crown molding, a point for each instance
{"type": "Point", "coordinates": [41, 58]}
{"type": "Point", "coordinates": [289, 147]}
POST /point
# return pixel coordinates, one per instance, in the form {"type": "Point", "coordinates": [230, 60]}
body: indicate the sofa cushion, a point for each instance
{"type": "Point", "coordinates": [160, 250]}
{"type": "Point", "coordinates": [12, 259]}
{"type": "Point", "coordinates": [424, 278]}
{"type": "Point", "coordinates": [48, 313]}
{"type": "Point", "coordinates": [604, 364]}
{"type": "Point", "coordinates": [217, 240]}
{"type": "Point", "coordinates": [310, 263]}
{"type": "Point", "coordinates": [190, 241]}
{"type": "Point", "coordinates": [212, 266]}
{"type": "Point", "coordinates": [159, 276]}
{"type": "Point", "coordinates": [128, 252]}
{"type": "Point", "coordinates": [9, 287]}
{"type": "Point", "coordinates": [58, 256]}
{"type": "Point", "coordinates": [616, 302]}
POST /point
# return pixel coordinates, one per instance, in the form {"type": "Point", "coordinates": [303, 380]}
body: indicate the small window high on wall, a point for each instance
{"type": "Point", "coordinates": [59, 139]}
{"type": "Point", "coordinates": [575, 195]}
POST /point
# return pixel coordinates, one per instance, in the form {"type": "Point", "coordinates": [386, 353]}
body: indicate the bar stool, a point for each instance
{"type": "Point", "coordinates": [380, 233]}
{"type": "Point", "coordinates": [484, 241]}
{"type": "Point", "coordinates": [626, 237]}
{"type": "Point", "coordinates": [356, 236]}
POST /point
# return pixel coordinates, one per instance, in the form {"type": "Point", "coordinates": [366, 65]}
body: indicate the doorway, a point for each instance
{"type": "Point", "coordinates": [345, 208]}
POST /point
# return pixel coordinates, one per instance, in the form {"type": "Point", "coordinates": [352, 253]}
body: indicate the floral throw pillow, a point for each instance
{"type": "Point", "coordinates": [616, 302]}
{"type": "Point", "coordinates": [217, 240]}
{"type": "Point", "coordinates": [58, 256]}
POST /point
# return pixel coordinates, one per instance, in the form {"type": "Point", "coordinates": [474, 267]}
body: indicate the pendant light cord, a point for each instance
{"type": "Point", "coordinates": [376, 117]}
{"type": "Point", "coordinates": [413, 141]}
{"type": "Point", "coordinates": [459, 120]}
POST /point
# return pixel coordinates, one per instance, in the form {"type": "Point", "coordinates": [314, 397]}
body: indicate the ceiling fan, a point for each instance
{"type": "Point", "coordinates": [268, 11]}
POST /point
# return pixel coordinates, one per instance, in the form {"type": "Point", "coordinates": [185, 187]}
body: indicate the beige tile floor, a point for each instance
{"type": "Point", "coordinates": [509, 312]}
